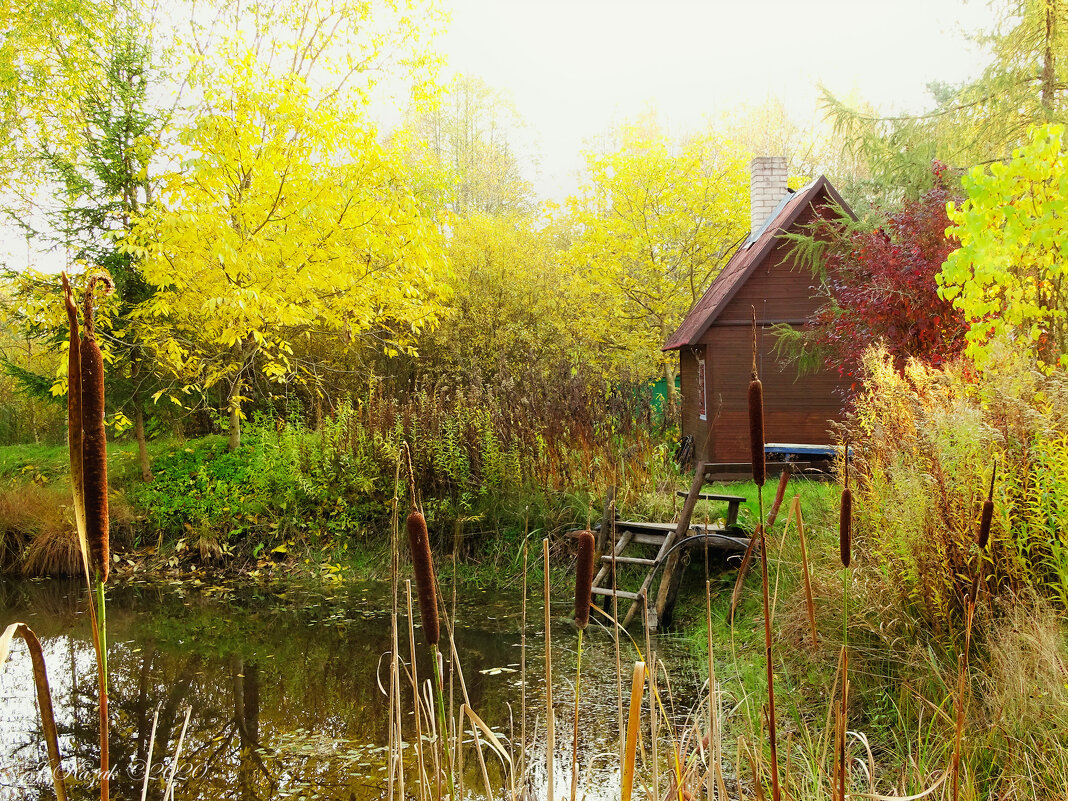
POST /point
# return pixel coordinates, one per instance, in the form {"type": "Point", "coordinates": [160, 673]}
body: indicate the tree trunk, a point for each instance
{"type": "Point", "coordinates": [1049, 65]}
{"type": "Point", "coordinates": [142, 442]}
{"type": "Point", "coordinates": [672, 396]}
{"type": "Point", "coordinates": [234, 442]}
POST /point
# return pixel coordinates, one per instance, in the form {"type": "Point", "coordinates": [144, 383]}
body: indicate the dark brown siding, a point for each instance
{"type": "Point", "coordinates": [692, 424]}
{"type": "Point", "coordinates": [796, 408]}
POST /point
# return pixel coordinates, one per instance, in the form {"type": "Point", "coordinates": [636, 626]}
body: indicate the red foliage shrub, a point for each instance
{"type": "Point", "coordinates": [880, 284]}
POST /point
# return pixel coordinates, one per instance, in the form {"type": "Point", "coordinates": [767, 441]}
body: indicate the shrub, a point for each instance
{"type": "Point", "coordinates": [926, 441]}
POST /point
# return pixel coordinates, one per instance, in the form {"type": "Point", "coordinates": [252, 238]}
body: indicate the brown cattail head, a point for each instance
{"type": "Point", "coordinates": [780, 494]}
{"type": "Point", "coordinates": [756, 431]}
{"type": "Point", "coordinates": [988, 513]}
{"type": "Point", "coordinates": [845, 526]}
{"type": "Point", "coordinates": [425, 583]}
{"type": "Point", "coordinates": [94, 442]}
{"type": "Point", "coordinates": [584, 578]}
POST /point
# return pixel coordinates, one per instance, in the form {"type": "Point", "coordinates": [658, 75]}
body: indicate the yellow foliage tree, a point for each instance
{"type": "Point", "coordinates": [652, 229]}
{"type": "Point", "coordinates": [285, 218]}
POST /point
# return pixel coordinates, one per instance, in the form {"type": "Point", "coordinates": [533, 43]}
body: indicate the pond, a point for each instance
{"type": "Point", "coordinates": [283, 687]}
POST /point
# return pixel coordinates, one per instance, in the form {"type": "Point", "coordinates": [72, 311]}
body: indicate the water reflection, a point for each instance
{"type": "Point", "coordinates": [284, 690]}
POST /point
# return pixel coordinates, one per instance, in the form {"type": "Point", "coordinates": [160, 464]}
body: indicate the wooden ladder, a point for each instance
{"type": "Point", "coordinates": [662, 535]}
{"type": "Point", "coordinates": [603, 583]}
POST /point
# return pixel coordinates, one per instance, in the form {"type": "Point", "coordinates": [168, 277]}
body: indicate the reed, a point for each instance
{"type": "Point", "coordinates": [637, 690]}
{"type": "Point", "coordinates": [583, 585]}
{"type": "Point", "coordinates": [747, 559]}
{"type": "Point", "coordinates": [795, 511]}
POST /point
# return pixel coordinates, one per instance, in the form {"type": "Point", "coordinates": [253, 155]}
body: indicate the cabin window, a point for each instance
{"type": "Point", "coordinates": [702, 407]}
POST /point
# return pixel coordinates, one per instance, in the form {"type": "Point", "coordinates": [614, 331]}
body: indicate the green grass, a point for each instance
{"type": "Point", "coordinates": [46, 463]}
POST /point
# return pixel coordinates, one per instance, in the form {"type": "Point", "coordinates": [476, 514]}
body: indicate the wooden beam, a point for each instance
{"type": "Point", "coordinates": [669, 582]}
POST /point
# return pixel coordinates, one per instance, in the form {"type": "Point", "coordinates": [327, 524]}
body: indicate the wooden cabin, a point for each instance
{"type": "Point", "coordinates": [715, 339]}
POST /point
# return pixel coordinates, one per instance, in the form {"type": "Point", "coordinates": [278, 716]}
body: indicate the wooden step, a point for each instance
{"type": "Point", "coordinates": [618, 593]}
{"type": "Point", "coordinates": [649, 539]}
{"type": "Point", "coordinates": [629, 560]}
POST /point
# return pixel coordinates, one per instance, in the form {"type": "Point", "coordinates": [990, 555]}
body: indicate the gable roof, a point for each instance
{"type": "Point", "coordinates": [747, 258]}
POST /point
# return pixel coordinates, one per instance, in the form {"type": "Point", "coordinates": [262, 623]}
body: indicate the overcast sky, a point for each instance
{"type": "Point", "coordinates": [573, 67]}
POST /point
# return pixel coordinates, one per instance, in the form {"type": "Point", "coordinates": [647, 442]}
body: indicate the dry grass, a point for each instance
{"type": "Point", "coordinates": [37, 531]}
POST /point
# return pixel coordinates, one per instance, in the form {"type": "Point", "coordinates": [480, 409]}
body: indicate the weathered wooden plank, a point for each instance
{"type": "Point", "coordinates": [629, 560]}
{"type": "Point", "coordinates": [619, 593]}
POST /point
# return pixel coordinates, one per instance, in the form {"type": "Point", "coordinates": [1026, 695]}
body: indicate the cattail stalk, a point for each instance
{"type": "Point", "coordinates": [395, 778]}
{"type": "Point", "coordinates": [420, 764]}
{"type": "Point", "coordinates": [756, 440]}
{"type": "Point", "coordinates": [637, 688]}
{"type": "Point", "coordinates": [87, 445]}
{"type": "Point", "coordinates": [427, 587]}
{"type": "Point", "coordinates": [988, 513]}
{"type": "Point", "coordinates": [981, 540]}
{"type": "Point", "coordinates": [522, 657]}
{"type": "Point", "coordinates": [583, 587]}
{"type": "Point", "coordinates": [845, 533]}
{"type": "Point", "coordinates": [715, 744]}
{"type": "Point", "coordinates": [550, 720]}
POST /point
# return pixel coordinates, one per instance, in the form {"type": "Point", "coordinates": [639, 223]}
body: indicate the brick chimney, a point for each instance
{"type": "Point", "coordinates": [766, 188]}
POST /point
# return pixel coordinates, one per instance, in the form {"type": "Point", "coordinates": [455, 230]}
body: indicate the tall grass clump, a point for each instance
{"type": "Point", "coordinates": [924, 441]}
{"type": "Point", "coordinates": [937, 559]}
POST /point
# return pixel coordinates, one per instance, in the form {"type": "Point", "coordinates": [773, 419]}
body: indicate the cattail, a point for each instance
{"type": "Point", "coordinates": [94, 442]}
{"type": "Point", "coordinates": [780, 494]}
{"type": "Point", "coordinates": [756, 417]}
{"type": "Point", "coordinates": [584, 578]}
{"type": "Point", "coordinates": [425, 583]}
{"type": "Point", "coordinates": [988, 513]}
{"type": "Point", "coordinates": [756, 430]}
{"type": "Point", "coordinates": [845, 516]}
